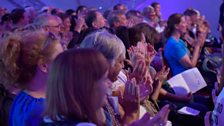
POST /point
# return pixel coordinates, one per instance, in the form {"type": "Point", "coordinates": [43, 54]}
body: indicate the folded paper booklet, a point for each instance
{"type": "Point", "coordinates": [188, 111]}
{"type": "Point", "coordinates": [188, 81]}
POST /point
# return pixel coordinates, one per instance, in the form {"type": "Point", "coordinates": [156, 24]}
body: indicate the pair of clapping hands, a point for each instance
{"type": "Point", "coordinates": [139, 82]}
{"type": "Point", "coordinates": [141, 57]}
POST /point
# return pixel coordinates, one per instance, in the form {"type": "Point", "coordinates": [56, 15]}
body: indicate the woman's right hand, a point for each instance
{"type": "Point", "coordinates": [159, 120]}
{"type": "Point", "coordinates": [130, 101]}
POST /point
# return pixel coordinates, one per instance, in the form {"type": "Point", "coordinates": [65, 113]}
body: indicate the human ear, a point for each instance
{"type": "Point", "coordinates": [43, 66]}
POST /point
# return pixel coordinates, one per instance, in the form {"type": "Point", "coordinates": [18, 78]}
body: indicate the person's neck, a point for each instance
{"type": "Point", "coordinates": [176, 36]}
{"type": "Point", "coordinates": [37, 86]}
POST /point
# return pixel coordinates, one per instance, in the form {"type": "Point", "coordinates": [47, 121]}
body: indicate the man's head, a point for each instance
{"type": "Point", "coordinates": [95, 19]}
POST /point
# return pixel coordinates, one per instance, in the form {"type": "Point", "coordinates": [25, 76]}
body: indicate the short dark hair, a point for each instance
{"type": "Point", "coordinates": [90, 17]}
{"type": "Point", "coordinates": [116, 7]}
{"type": "Point", "coordinates": [63, 16]}
{"type": "Point", "coordinates": [135, 35]}
{"type": "Point", "coordinates": [80, 8]}
{"type": "Point", "coordinates": [190, 12]}
{"type": "Point", "coordinates": [17, 14]}
{"type": "Point", "coordinates": [154, 4]}
{"type": "Point", "coordinates": [70, 12]}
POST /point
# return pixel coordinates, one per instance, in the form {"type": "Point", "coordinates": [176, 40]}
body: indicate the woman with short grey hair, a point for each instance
{"type": "Point", "coordinates": [110, 46]}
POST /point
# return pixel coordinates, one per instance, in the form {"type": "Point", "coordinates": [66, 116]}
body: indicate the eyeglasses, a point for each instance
{"type": "Point", "coordinates": [55, 26]}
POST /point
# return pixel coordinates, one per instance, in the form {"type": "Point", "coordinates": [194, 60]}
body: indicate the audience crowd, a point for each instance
{"type": "Point", "coordinates": [85, 67]}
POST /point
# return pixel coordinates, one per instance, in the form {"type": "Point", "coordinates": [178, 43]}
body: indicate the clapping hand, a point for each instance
{"type": "Point", "coordinates": [131, 97]}
{"type": "Point", "coordinates": [144, 50]}
{"type": "Point", "coordinates": [162, 74]}
{"type": "Point", "coordinates": [146, 88]}
{"type": "Point", "coordinates": [150, 53]}
{"type": "Point", "coordinates": [159, 120]}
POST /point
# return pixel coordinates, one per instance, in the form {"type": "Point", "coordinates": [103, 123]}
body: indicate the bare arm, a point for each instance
{"type": "Point", "coordinates": [156, 90]}
{"type": "Point", "coordinates": [188, 62]}
{"type": "Point", "coordinates": [172, 97]}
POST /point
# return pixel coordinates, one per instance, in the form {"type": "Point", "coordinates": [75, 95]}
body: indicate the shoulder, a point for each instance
{"type": "Point", "coordinates": [26, 99]}
{"type": "Point", "coordinates": [48, 122]}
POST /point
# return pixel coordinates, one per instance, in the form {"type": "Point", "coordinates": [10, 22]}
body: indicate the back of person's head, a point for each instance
{"type": "Point", "coordinates": [73, 86]}
{"type": "Point", "coordinates": [21, 53]}
{"type": "Point", "coordinates": [151, 35]}
{"type": "Point", "coordinates": [85, 33]}
{"type": "Point", "coordinates": [108, 44]}
{"type": "Point", "coordinates": [123, 33]}
{"type": "Point", "coordinates": [173, 20]}
{"type": "Point", "coordinates": [17, 15]}
{"type": "Point", "coordinates": [135, 36]}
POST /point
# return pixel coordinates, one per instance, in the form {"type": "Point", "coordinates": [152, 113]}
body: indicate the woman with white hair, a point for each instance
{"type": "Point", "coordinates": [114, 51]}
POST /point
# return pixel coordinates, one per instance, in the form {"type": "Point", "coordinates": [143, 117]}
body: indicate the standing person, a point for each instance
{"type": "Point", "coordinates": [26, 58]}
{"type": "Point", "coordinates": [176, 52]}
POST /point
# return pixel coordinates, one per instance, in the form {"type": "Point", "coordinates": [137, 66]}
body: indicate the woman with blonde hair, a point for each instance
{"type": "Point", "coordinates": [25, 60]}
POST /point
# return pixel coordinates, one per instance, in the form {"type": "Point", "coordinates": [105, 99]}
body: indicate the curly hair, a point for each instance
{"type": "Point", "coordinates": [20, 53]}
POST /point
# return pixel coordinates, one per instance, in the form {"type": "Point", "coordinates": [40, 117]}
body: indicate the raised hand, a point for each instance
{"type": "Point", "coordinates": [80, 22]}
{"type": "Point", "coordinates": [139, 70]}
{"type": "Point", "coordinates": [135, 53]}
{"type": "Point", "coordinates": [142, 49]}
{"type": "Point", "coordinates": [149, 54]}
{"type": "Point", "coordinates": [131, 97]}
{"type": "Point", "coordinates": [189, 39]}
{"type": "Point", "coordinates": [162, 74]}
{"type": "Point", "coordinates": [146, 88]}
